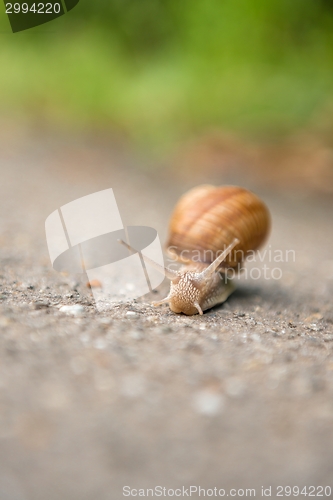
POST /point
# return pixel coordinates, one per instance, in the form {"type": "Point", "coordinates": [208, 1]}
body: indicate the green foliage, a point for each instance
{"type": "Point", "coordinates": [160, 70]}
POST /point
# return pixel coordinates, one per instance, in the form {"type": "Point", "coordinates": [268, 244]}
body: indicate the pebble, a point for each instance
{"type": "Point", "coordinates": [152, 318]}
{"type": "Point", "coordinates": [239, 314]}
{"type": "Point", "coordinates": [94, 284]}
{"type": "Point", "coordinates": [100, 343]}
{"type": "Point", "coordinates": [80, 321]}
{"type": "Point", "coordinates": [207, 402]}
{"type": "Point", "coordinates": [136, 335]}
{"type": "Point", "coordinates": [314, 328]}
{"type": "Point", "coordinates": [41, 304]}
{"type": "Point", "coordinates": [313, 318]}
{"type": "Point", "coordinates": [4, 321]}
{"type": "Point", "coordinates": [75, 310]}
{"type": "Point", "coordinates": [166, 329]}
{"type": "Point", "coordinates": [85, 338]}
{"type": "Point", "coordinates": [105, 321]}
{"type": "Point", "coordinates": [23, 305]}
{"type": "Point", "coordinates": [132, 315]}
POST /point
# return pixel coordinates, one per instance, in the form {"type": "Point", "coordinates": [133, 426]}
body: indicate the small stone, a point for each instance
{"type": "Point", "coordinates": [130, 287]}
{"type": "Point", "coordinates": [166, 329]}
{"type": "Point", "coordinates": [152, 318]}
{"type": "Point", "coordinates": [79, 321]}
{"type": "Point", "coordinates": [23, 305]}
{"type": "Point", "coordinates": [239, 314]}
{"type": "Point", "coordinates": [41, 304]}
{"type": "Point", "coordinates": [100, 343]}
{"type": "Point", "coordinates": [250, 322]}
{"type": "Point", "coordinates": [207, 402]}
{"type": "Point", "coordinates": [94, 284]}
{"type": "Point", "coordinates": [136, 335]}
{"type": "Point", "coordinates": [314, 328]}
{"type": "Point", "coordinates": [105, 321]}
{"type": "Point", "coordinates": [4, 321]}
{"type": "Point", "coordinates": [75, 310]}
{"type": "Point", "coordinates": [74, 285]}
{"type": "Point", "coordinates": [313, 318]}
{"type": "Point", "coordinates": [85, 337]}
{"type": "Point", "coordinates": [132, 315]}
{"type": "Point", "coordinates": [186, 321]}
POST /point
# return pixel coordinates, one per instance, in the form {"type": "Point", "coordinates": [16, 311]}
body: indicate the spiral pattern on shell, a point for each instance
{"type": "Point", "coordinates": [208, 218]}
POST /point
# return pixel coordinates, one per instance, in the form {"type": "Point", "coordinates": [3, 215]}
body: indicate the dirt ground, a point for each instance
{"type": "Point", "coordinates": [241, 397]}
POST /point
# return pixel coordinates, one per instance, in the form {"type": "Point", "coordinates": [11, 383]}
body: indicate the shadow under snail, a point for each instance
{"type": "Point", "coordinates": [211, 232]}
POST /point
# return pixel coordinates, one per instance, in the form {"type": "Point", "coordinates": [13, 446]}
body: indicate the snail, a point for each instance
{"type": "Point", "coordinates": [211, 231]}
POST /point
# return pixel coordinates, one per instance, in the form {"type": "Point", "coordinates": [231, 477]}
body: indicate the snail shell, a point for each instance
{"type": "Point", "coordinates": [207, 219]}
{"type": "Point", "coordinates": [212, 230]}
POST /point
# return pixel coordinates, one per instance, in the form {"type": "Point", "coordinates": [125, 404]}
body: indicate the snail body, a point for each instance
{"type": "Point", "coordinates": [212, 230]}
{"type": "Point", "coordinates": [195, 290]}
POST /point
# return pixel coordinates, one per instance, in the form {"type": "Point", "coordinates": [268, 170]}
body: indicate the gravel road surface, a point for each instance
{"type": "Point", "coordinates": [241, 397]}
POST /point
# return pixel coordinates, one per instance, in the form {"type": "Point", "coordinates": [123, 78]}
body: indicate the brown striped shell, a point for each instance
{"type": "Point", "coordinates": [208, 218]}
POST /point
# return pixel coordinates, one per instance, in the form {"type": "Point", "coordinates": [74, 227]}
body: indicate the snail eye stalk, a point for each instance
{"type": "Point", "coordinates": [214, 265]}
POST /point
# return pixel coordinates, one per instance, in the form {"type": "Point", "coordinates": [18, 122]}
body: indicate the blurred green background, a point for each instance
{"type": "Point", "coordinates": [161, 71]}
